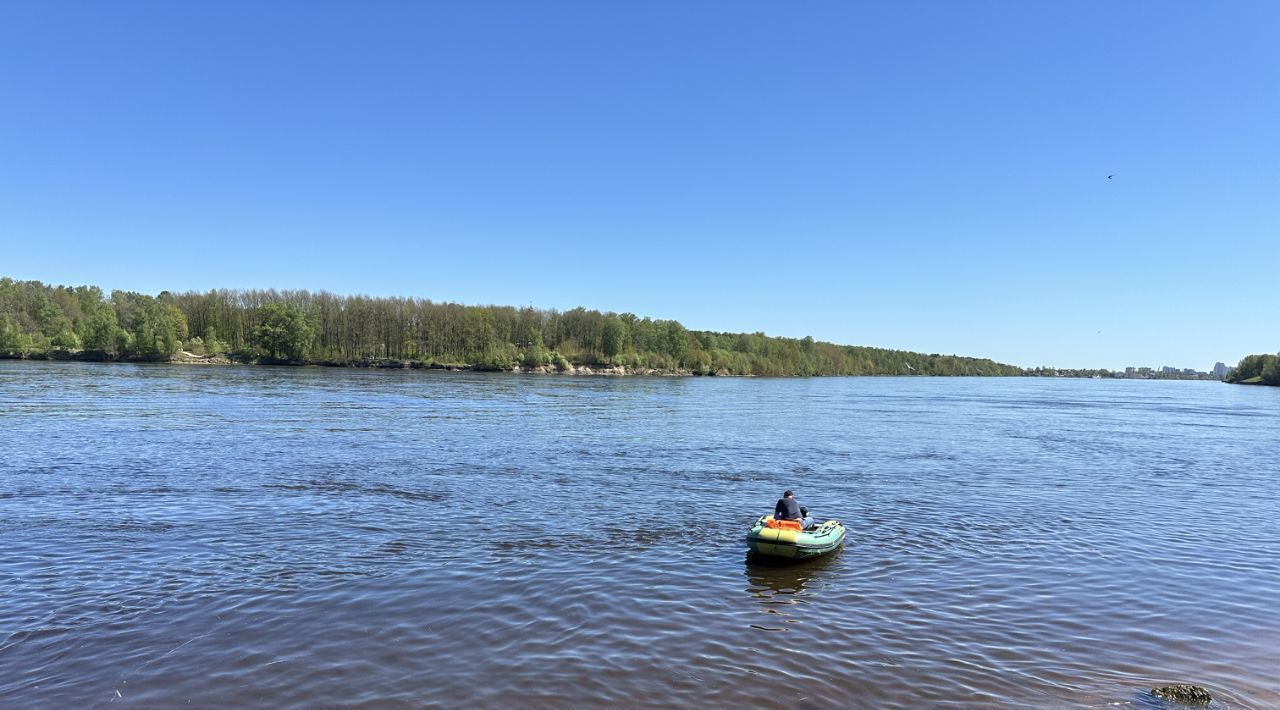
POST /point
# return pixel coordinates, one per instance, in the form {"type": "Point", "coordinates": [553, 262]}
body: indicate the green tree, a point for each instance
{"type": "Point", "coordinates": [1271, 371]}
{"type": "Point", "coordinates": [675, 340]}
{"type": "Point", "coordinates": [12, 340]}
{"type": "Point", "coordinates": [53, 321]}
{"type": "Point", "coordinates": [1250, 366]}
{"type": "Point", "coordinates": [282, 331]}
{"type": "Point", "coordinates": [100, 331]}
{"type": "Point", "coordinates": [158, 329]}
{"type": "Point", "coordinates": [613, 337]}
{"type": "Point", "coordinates": [65, 340]}
{"type": "Point", "coordinates": [212, 345]}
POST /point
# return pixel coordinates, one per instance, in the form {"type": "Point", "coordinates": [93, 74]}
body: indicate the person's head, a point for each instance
{"type": "Point", "coordinates": [788, 494]}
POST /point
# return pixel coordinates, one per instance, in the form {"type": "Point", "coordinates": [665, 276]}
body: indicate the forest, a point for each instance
{"type": "Point", "coordinates": [1256, 370]}
{"type": "Point", "coordinates": [301, 327]}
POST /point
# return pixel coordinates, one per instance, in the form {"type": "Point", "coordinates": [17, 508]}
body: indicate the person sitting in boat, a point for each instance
{"type": "Point", "coordinates": [789, 509]}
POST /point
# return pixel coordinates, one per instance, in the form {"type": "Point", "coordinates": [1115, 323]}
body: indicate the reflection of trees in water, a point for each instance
{"type": "Point", "coordinates": [778, 586]}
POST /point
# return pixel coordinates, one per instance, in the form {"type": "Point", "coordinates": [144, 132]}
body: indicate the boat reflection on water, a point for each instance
{"type": "Point", "coordinates": [779, 586]}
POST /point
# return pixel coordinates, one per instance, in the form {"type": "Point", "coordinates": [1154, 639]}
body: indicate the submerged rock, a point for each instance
{"type": "Point", "coordinates": [1183, 693]}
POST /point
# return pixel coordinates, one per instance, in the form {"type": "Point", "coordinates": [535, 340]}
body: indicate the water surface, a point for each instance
{"type": "Point", "coordinates": [279, 537]}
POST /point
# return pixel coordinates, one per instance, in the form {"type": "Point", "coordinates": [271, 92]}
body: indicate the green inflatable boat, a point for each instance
{"type": "Point", "coordinates": [781, 538]}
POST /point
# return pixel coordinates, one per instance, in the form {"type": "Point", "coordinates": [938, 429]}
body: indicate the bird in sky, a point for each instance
{"type": "Point", "coordinates": [1110, 176]}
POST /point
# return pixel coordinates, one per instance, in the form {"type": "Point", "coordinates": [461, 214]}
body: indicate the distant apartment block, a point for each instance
{"type": "Point", "coordinates": [1166, 372]}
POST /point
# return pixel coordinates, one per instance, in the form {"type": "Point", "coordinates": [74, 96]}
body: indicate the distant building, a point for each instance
{"type": "Point", "coordinates": [1220, 370]}
{"type": "Point", "coordinates": [1169, 370]}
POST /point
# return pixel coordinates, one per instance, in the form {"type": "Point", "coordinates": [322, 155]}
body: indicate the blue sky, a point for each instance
{"type": "Point", "coordinates": [928, 176]}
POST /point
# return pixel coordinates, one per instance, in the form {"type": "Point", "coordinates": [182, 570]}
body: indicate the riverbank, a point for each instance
{"type": "Point", "coordinates": [183, 357]}
{"type": "Point", "coordinates": [560, 367]}
{"type": "Point", "coordinates": [187, 358]}
{"type": "Point", "coordinates": [1253, 381]}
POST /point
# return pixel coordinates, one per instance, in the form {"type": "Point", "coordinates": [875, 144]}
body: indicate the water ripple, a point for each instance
{"type": "Point", "coordinates": [278, 537]}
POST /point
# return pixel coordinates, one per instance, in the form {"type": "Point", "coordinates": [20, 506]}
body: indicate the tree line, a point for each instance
{"type": "Point", "coordinates": [1256, 369]}
{"type": "Point", "coordinates": [302, 327]}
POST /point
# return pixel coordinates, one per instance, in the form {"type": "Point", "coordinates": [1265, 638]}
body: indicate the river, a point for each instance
{"type": "Point", "coordinates": [301, 537]}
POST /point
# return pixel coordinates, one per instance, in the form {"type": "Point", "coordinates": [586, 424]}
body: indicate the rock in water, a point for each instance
{"type": "Point", "coordinates": [1182, 693]}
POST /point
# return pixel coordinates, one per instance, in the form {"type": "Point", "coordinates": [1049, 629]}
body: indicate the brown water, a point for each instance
{"type": "Point", "coordinates": [297, 538]}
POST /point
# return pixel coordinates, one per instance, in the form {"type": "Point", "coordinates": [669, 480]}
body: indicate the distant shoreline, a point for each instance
{"type": "Point", "coordinates": [183, 357]}
{"type": "Point", "coordinates": [269, 327]}
{"type": "Point", "coordinates": [39, 320]}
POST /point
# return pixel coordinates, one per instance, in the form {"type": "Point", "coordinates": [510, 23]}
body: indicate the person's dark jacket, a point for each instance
{"type": "Point", "coordinates": [787, 509]}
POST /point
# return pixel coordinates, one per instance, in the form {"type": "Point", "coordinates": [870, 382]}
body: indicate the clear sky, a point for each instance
{"type": "Point", "coordinates": [929, 176]}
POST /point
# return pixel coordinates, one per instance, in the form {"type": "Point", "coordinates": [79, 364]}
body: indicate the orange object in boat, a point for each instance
{"type": "Point", "coordinates": [783, 524]}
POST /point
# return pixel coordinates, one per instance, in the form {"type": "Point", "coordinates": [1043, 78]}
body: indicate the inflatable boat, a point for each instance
{"type": "Point", "coordinates": [785, 538]}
